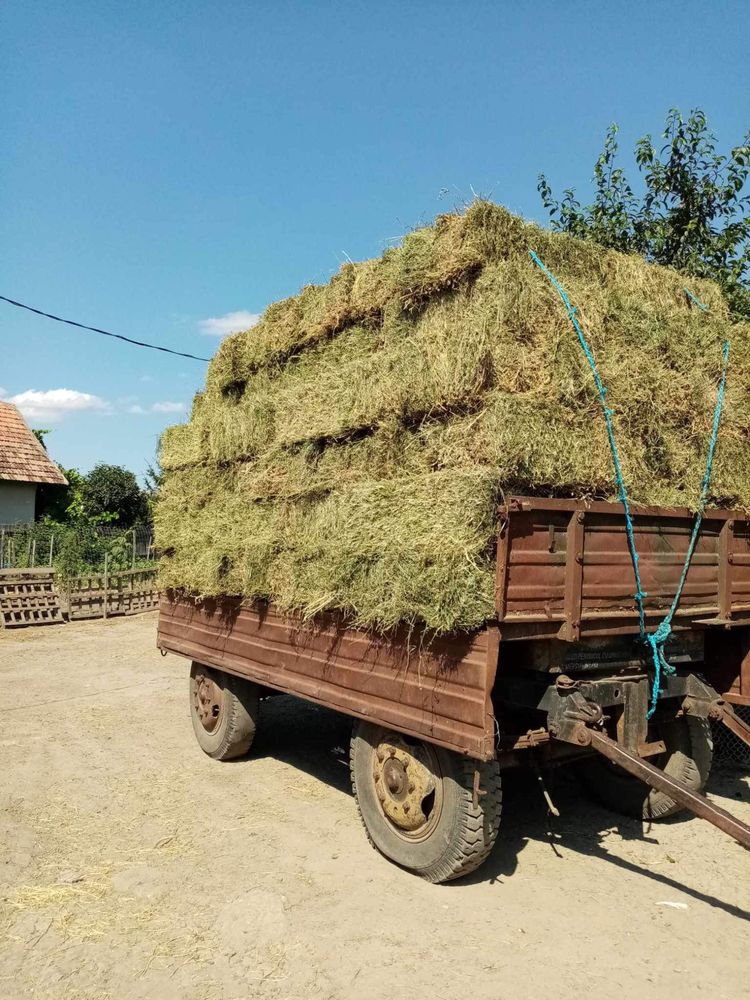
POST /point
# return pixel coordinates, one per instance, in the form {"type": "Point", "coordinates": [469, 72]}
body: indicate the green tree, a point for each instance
{"type": "Point", "coordinates": [62, 503]}
{"type": "Point", "coordinates": [40, 434]}
{"type": "Point", "coordinates": [112, 490]}
{"type": "Point", "coordinates": [154, 477]}
{"type": "Point", "coordinates": [692, 214]}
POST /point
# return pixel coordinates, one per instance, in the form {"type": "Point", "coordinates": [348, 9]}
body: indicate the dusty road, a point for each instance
{"type": "Point", "coordinates": [134, 867]}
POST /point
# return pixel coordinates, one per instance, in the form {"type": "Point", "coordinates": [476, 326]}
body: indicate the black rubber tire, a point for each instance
{"type": "Point", "coordinates": [234, 733]}
{"type": "Point", "coordinates": [464, 835]}
{"type": "Point", "coordinates": [688, 758]}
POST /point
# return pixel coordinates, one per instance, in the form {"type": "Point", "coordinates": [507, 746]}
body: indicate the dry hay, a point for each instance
{"type": "Point", "coordinates": [349, 450]}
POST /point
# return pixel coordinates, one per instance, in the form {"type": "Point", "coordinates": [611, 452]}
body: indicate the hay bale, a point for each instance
{"type": "Point", "coordinates": [348, 451]}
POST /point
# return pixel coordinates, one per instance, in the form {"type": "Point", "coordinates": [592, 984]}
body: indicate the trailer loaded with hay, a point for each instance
{"type": "Point", "coordinates": [489, 496]}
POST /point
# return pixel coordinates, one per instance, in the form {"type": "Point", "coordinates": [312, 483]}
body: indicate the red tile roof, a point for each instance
{"type": "Point", "coordinates": [22, 458]}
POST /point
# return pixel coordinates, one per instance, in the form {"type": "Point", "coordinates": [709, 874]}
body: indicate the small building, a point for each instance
{"type": "Point", "coordinates": [24, 464]}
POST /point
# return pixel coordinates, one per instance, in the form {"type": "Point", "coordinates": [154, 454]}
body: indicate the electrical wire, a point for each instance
{"type": "Point", "coordinates": [106, 333]}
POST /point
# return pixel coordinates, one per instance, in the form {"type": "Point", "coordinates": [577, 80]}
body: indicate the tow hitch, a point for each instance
{"type": "Point", "coordinates": [720, 711]}
{"type": "Point", "coordinates": [577, 719]}
{"type": "Point", "coordinates": [657, 778]}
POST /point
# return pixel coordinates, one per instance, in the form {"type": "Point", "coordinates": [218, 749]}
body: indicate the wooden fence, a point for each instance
{"type": "Point", "coordinates": [100, 595]}
{"type": "Point", "coordinates": [35, 597]}
{"type": "Point", "coordinates": [28, 597]}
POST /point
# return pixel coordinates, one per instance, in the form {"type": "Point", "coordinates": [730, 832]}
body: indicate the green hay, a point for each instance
{"type": "Point", "coordinates": [393, 560]}
{"type": "Point", "coordinates": [347, 451]}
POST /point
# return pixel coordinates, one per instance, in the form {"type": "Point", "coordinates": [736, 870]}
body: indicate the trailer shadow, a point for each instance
{"type": "Point", "coordinates": [583, 828]}
{"type": "Point", "coordinates": [316, 740]}
{"type": "Point", "coordinates": [307, 737]}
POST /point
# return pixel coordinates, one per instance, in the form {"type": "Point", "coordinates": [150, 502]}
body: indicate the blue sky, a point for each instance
{"type": "Point", "coordinates": [167, 164]}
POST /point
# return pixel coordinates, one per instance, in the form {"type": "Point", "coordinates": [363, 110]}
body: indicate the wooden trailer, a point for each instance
{"type": "Point", "coordinates": [560, 674]}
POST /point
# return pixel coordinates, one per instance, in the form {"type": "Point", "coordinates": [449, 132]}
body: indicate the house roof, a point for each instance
{"type": "Point", "coordinates": [22, 458]}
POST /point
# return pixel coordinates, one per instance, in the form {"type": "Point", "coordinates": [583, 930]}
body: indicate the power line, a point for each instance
{"type": "Point", "coordinates": [106, 333]}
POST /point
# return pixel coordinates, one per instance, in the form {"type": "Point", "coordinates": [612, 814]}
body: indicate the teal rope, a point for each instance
{"type": "Point", "coordinates": [640, 594]}
{"type": "Point", "coordinates": [660, 635]}
{"type": "Point", "coordinates": [695, 300]}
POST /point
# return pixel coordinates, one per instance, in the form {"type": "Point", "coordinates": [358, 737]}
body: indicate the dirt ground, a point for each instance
{"type": "Point", "coordinates": [134, 867]}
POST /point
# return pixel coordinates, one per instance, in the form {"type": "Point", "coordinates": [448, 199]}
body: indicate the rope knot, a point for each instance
{"type": "Point", "coordinates": [660, 635]}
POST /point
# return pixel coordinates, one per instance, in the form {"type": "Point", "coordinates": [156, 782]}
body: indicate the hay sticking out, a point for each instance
{"type": "Point", "coordinates": [348, 450]}
{"type": "Point", "coordinates": [412, 548]}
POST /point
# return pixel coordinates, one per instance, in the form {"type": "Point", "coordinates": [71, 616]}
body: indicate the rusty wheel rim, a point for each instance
{"type": "Point", "coordinates": [408, 786]}
{"type": "Point", "coordinates": [208, 701]}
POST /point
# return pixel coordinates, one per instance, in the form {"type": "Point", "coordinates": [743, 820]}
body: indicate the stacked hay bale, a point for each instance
{"type": "Point", "coordinates": [349, 451]}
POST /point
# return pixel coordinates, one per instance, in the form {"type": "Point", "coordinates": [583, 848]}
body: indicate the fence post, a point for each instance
{"type": "Point", "coordinates": [2, 548]}
{"type": "Point", "coordinates": [133, 566]}
{"type": "Point", "coordinates": [51, 549]}
{"type": "Point", "coordinates": [106, 582]}
{"type": "Point", "coordinates": [33, 553]}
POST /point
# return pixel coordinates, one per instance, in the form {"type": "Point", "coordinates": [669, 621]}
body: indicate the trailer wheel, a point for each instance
{"type": "Point", "coordinates": [687, 758]}
{"type": "Point", "coordinates": [224, 711]}
{"type": "Point", "coordinates": [416, 802]}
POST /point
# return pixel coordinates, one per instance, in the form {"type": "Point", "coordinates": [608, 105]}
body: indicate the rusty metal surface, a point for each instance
{"type": "Point", "coordinates": [564, 569]}
{"type": "Point", "coordinates": [726, 714]}
{"type": "Point", "coordinates": [208, 700]}
{"type": "Point", "coordinates": [439, 692]}
{"type": "Point", "coordinates": [676, 790]}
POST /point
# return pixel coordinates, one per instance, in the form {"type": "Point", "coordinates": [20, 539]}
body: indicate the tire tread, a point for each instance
{"type": "Point", "coordinates": [478, 826]}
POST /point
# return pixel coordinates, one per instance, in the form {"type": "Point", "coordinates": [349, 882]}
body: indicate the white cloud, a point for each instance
{"type": "Point", "coordinates": [147, 378]}
{"type": "Point", "coordinates": [163, 407]}
{"type": "Point", "coordinates": [54, 404]}
{"type": "Point", "coordinates": [167, 407]}
{"type": "Point", "coordinates": [233, 322]}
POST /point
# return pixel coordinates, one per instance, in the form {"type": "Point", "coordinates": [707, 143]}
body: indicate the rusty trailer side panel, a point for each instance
{"type": "Point", "coordinates": [563, 573]}
{"type": "Point", "coordinates": [441, 693]}
{"type": "Point", "coordinates": [564, 569]}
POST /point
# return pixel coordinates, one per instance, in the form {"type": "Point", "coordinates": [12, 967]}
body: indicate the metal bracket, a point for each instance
{"type": "Point", "coordinates": [569, 712]}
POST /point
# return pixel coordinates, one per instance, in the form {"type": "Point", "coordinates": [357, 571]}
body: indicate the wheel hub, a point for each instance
{"type": "Point", "coordinates": [405, 785]}
{"type": "Point", "coordinates": [207, 699]}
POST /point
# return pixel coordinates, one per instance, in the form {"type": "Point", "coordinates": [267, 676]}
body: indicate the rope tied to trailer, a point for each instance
{"type": "Point", "coordinates": [657, 639]}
